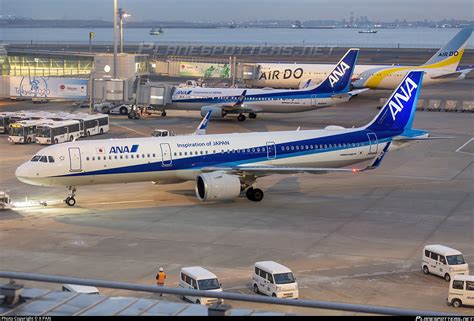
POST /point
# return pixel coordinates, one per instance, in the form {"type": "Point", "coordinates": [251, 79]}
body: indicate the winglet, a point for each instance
{"type": "Point", "coordinates": [378, 159]}
{"type": "Point", "coordinates": [241, 99]}
{"type": "Point", "coordinates": [201, 129]}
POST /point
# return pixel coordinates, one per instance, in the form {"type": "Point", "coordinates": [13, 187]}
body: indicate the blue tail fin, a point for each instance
{"type": "Point", "coordinates": [339, 79]}
{"type": "Point", "coordinates": [398, 112]}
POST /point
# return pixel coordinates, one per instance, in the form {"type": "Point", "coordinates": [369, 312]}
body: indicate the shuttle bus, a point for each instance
{"type": "Point", "coordinates": [55, 132]}
{"type": "Point", "coordinates": [94, 124]}
{"type": "Point", "coordinates": [5, 122]}
{"type": "Point", "coordinates": [24, 131]}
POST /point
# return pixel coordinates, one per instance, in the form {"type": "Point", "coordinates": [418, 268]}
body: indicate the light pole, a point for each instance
{"type": "Point", "coordinates": [122, 14]}
{"type": "Point", "coordinates": [115, 39]}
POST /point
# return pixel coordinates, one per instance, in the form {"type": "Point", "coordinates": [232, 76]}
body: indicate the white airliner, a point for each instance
{"type": "Point", "coordinates": [334, 89]}
{"type": "Point", "coordinates": [442, 67]}
{"type": "Point", "coordinates": [225, 165]}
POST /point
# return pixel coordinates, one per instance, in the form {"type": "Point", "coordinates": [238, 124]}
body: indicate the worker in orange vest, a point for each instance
{"type": "Point", "coordinates": [160, 278]}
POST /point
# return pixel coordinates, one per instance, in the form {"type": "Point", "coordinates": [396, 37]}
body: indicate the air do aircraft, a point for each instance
{"type": "Point", "coordinates": [334, 89]}
{"type": "Point", "coordinates": [441, 67]}
{"type": "Point", "coordinates": [225, 165]}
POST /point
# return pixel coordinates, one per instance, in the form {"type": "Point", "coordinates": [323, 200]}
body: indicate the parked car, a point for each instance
{"type": "Point", "coordinates": [39, 100]}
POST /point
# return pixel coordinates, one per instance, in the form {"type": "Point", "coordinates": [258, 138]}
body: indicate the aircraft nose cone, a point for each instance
{"type": "Point", "coordinates": [23, 173]}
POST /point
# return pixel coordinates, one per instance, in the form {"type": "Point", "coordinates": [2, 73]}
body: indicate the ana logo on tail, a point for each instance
{"type": "Point", "coordinates": [338, 73]}
{"type": "Point", "coordinates": [396, 103]}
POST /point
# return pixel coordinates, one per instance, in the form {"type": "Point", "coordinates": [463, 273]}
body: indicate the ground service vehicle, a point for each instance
{"type": "Point", "coordinates": [443, 261]}
{"type": "Point", "coordinates": [274, 279]}
{"type": "Point", "coordinates": [198, 278]}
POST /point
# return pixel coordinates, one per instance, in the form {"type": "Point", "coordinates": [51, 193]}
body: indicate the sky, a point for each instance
{"type": "Point", "coordinates": [242, 10]}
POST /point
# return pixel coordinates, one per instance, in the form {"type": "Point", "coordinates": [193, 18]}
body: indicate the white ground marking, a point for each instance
{"type": "Point", "coordinates": [462, 146]}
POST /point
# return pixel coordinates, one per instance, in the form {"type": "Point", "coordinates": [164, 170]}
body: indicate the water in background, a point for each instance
{"type": "Point", "coordinates": [403, 38]}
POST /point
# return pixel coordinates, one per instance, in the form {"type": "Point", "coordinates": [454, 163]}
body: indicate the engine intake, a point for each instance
{"type": "Point", "coordinates": [217, 187]}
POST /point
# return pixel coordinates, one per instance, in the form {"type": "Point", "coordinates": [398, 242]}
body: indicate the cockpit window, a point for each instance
{"type": "Point", "coordinates": [51, 159]}
{"type": "Point", "coordinates": [43, 159]}
{"type": "Point", "coordinates": [36, 158]}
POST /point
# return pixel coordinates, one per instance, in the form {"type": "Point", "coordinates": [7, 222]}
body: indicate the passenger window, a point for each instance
{"type": "Point", "coordinates": [427, 253]}
{"type": "Point", "coordinates": [131, 156]}
{"type": "Point", "coordinates": [87, 158]}
{"type": "Point", "coordinates": [43, 159]}
{"type": "Point", "coordinates": [188, 279]}
{"type": "Point", "coordinates": [263, 274]}
{"type": "Point", "coordinates": [458, 285]}
{"type": "Point", "coordinates": [257, 271]}
{"type": "Point", "coordinates": [183, 277]}
{"type": "Point", "coordinates": [442, 259]}
{"type": "Point", "coordinates": [470, 285]}
{"type": "Point", "coordinates": [434, 256]}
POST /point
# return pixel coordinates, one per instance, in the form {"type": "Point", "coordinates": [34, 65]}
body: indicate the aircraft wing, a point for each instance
{"type": "Point", "coordinates": [265, 170]}
{"type": "Point", "coordinates": [237, 106]}
{"type": "Point", "coordinates": [461, 74]}
{"type": "Point", "coordinates": [350, 94]}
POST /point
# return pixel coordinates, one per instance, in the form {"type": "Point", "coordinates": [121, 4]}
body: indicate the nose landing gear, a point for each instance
{"type": "Point", "coordinates": [70, 200]}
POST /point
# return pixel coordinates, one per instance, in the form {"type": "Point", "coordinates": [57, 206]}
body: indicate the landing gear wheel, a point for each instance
{"type": "Point", "coordinates": [56, 141]}
{"type": "Point", "coordinates": [257, 195]}
{"type": "Point", "coordinates": [252, 115]}
{"type": "Point", "coordinates": [163, 113]}
{"type": "Point", "coordinates": [255, 289]}
{"type": "Point", "coordinates": [241, 117]}
{"type": "Point", "coordinates": [71, 201]}
{"type": "Point", "coordinates": [254, 194]}
{"type": "Point", "coordinates": [28, 140]}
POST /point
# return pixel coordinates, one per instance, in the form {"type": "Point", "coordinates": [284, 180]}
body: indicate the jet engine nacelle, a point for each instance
{"type": "Point", "coordinates": [217, 186]}
{"type": "Point", "coordinates": [217, 112]}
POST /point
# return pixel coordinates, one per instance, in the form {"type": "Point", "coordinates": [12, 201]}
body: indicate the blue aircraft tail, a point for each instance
{"type": "Point", "coordinates": [398, 112]}
{"type": "Point", "coordinates": [339, 80]}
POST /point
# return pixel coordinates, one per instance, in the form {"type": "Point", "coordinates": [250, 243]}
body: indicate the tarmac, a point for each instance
{"type": "Point", "coordinates": [349, 238]}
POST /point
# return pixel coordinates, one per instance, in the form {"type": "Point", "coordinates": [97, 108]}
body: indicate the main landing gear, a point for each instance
{"type": "Point", "coordinates": [70, 200]}
{"type": "Point", "coordinates": [242, 117]}
{"type": "Point", "coordinates": [254, 194]}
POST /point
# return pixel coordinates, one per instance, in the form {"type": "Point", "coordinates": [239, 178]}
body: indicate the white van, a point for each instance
{"type": "Point", "coordinates": [198, 278]}
{"type": "Point", "coordinates": [274, 279]}
{"type": "Point", "coordinates": [461, 290]}
{"type": "Point", "coordinates": [443, 261]}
